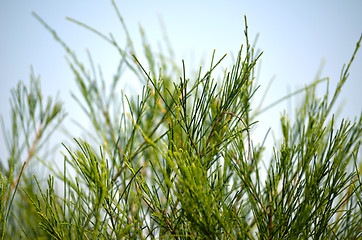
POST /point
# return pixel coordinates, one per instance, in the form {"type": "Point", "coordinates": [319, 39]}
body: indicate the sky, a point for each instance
{"type": "Point", "coordinates": [295, 37]}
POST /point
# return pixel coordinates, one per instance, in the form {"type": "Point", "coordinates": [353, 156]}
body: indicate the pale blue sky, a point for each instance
{"type": "Point", "coordinates": [295, 37]}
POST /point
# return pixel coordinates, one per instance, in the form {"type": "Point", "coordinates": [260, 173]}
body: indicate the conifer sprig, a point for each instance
{"type": "Point", "coordinates": [178, 161]}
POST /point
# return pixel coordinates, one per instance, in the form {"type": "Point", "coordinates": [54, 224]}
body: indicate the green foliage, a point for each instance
{"type": "Point", "coordinates": [178, 161]}
{"type": "Point", "coordinates": [33, 122]}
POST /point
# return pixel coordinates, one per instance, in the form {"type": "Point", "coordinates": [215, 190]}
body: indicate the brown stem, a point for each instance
{"type": "Point", "coordinates": [31, 152]}
{"type": "Point", "coordinates": [117, 174]}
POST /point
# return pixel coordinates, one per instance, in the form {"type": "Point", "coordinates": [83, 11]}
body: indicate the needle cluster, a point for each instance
{"type": "Point", "coordinates": [178, 161]}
